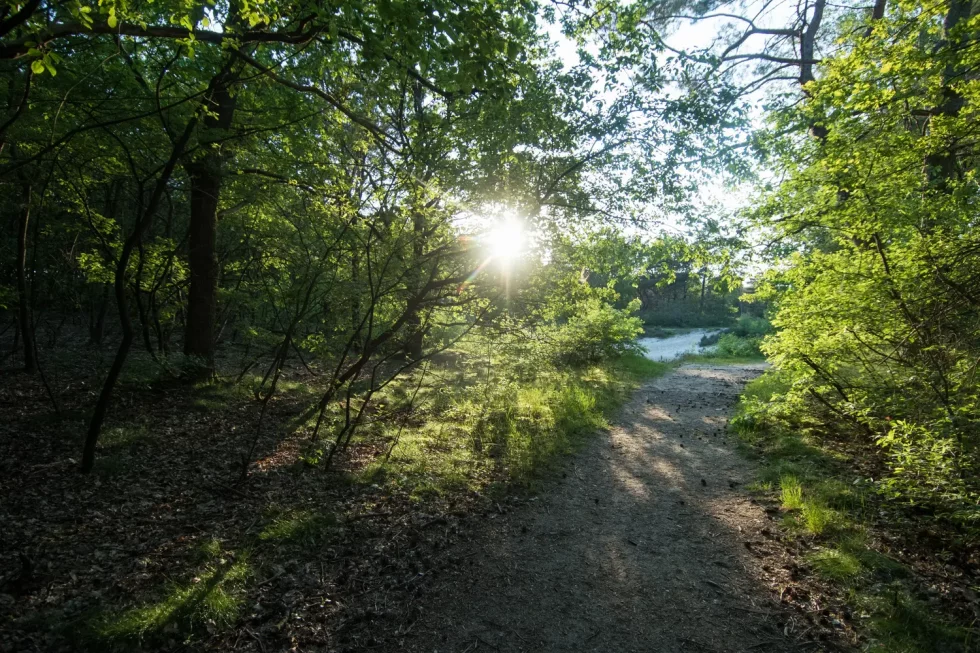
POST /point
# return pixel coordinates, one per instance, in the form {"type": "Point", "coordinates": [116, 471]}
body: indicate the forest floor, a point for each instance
{"type": "Point", "coordinates": [649, 543]}
{"type": "Point", "coordinates": [644, 540]}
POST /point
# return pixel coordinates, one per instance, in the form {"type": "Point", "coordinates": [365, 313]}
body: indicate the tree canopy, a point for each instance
{"type": "Point", "coordinates": [500, 194]}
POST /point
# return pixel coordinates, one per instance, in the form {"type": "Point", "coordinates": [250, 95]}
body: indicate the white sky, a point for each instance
{"type": "Point", "coordinates": [689, 36]}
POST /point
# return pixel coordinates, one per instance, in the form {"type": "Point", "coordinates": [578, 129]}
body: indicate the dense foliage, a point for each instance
{"type": "Point", "coordinates": [877, 312]}
{"type": "Point", "coordinates": [453, 220]}
{"type": "Point", "coordinates": [234, 186]}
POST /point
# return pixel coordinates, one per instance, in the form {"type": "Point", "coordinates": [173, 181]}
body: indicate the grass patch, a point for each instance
{"type": "Point", "coordinates": [638, 368]}
{"type": "Point", "coordinates": [827, 507]}
{"type": "Point", "coordinates": [208, 549]}
{"type": "Point", "coordinates": [791, 493]}
{"type": "Point", "coordinates": [473, 434]}
{"type": "Point", "coordinates": [211, 599]}
{"type": "Point", "coordinates": [302, 527]}
{"type": "Point", "coordinates": [835, 564]}
{"type": "Point", "coordinates": [122, 437]}
{"type": "Point", "coordinates": [816, 518]}
{"type": "Point", "coordinates": [219, 396]}
{"type": "Point", "coordinates": [813, 514]}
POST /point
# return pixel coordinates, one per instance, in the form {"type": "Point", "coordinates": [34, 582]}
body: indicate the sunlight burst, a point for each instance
{"type": "Point", "coordinates": [505, 241]}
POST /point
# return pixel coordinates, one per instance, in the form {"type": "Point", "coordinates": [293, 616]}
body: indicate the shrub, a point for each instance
{"type": "Point", "coordinates": [711, 339]}
{"type": "Point", "coordinates": [932, 466]}
{"type": "Point", "coordinates": [597, 332]}
{"type": "Point", "coordinates": [656, 332]}
{"type": "Point", "coordinates": [749, 326]}
{"type": "Point", "coordinates": [690, 313]}
{"type": "Point", "coordinates": [733, 346]}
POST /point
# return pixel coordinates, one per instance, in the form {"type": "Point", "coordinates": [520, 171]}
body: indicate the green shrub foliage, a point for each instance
{"type": "Point", "coordinates": [878, 307]}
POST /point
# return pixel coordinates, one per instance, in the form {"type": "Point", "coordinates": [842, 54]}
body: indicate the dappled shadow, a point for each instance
{"type": "Point", "coordinates": [140, 551]}
{"type": "Point", "coordinates": [646, 545]}
{"type": "Point", "coordinates": [597, 568]}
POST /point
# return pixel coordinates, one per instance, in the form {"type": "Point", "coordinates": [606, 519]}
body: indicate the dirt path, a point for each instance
{"type": "Point", "coordinates": [646, 545]}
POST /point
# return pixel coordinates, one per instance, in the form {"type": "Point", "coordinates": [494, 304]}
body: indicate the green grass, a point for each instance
{"type": "Point", "coordinates": [208, 549]}
{"type": "Point", "coordinates": [791, 493]}
{"type": "Point", "coordinates": [834, 515]}
{"type": "Point", "coordinates": [211, 593]}
{"type": "Point", "coordinates": [515, 431]}
{"type": "Point", "coordinates": [303, 527]}
{"type": "Point", "coordinates": [462, 437]}
{"type": "Point", "coordinates": [216, 395]}
{"type": "Point", "coordinates": [813, 514]}
{"type": "Point", "coordinates": [639, 368]}
{"type": "Point", "coordinates": [817, 518]}
{"type": "Point", "coordinates": [835, 564]}
{"type": "Point", "coordinates": [212, 598]}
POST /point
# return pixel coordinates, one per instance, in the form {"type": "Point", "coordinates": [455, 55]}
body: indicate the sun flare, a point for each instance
{"type": "Point", "coordinates": [505, 241]}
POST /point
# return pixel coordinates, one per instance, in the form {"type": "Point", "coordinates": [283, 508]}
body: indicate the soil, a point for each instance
{"type": "Point", "coordinates": [650, 542]}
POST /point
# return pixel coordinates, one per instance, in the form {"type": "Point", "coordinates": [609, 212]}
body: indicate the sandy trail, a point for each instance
{"type": "Point", "coordinates": [643, 546]}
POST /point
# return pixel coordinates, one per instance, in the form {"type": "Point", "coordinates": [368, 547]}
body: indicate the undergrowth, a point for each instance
{"type": "Point", "coordinates": [459, 432]}
{"type": "Point", "coordinates": [211, 598]}
{"type": "Point", "coordinates": [469, 435]}
{"type": "Point", "coordinates": [834, 513]}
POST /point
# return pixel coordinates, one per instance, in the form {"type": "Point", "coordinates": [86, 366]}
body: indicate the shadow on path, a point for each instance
{"type": "Point", "coordinates": [644, 546]}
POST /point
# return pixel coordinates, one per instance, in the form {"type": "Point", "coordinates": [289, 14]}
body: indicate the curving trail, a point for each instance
{"type": "Point", "coordinates": [645, 545]}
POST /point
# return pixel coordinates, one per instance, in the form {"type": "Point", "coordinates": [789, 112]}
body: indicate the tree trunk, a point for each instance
{"type": "Point", "coordinates": [202, 297]}
{"type": "Point", "coordinates": [96, 329]}
{"type": "Point", "coordinates": [942, 167]}
{"type": "Point", "coordinates": [23, 299]}
{"type": "Point", "coordinates": [205, 181]}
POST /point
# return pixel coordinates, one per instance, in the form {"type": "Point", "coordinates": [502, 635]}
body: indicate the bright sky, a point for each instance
{"type": "Point", "coordinates": [689, 35]}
